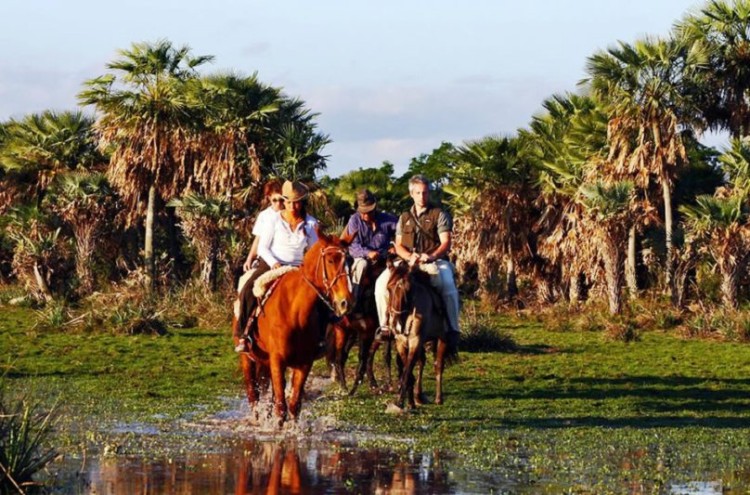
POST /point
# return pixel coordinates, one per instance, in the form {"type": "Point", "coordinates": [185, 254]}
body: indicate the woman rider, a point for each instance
{"type": "Point", "coordinates": [275, 203]}
{"type": "Point", "coordinates": [283, 241]}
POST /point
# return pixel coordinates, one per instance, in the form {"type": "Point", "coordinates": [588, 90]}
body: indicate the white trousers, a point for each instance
{"type": "Point", "coordinates": [443, 281]}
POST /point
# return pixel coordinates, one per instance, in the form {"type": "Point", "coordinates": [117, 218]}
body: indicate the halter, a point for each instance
{"type": "Point", "coordinates": [328, 286]}
{"type": "Point", "coordinates": [394, 314]}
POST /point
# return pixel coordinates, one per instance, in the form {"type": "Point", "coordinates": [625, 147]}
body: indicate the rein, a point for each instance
{"type": "Point", "coordinates": [395, 307]}
{"type": "Point", "coordinates": [328, 286]}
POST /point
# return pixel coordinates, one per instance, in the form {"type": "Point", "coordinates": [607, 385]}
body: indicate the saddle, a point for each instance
{"type": "Point", "coordinates": [366, 302]}
{"type": "Point", "coordinates": [262, 290]}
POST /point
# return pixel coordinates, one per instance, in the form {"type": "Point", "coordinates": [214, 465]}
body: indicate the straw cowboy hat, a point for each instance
{"type": "Point", "coordinates": [294, 191]}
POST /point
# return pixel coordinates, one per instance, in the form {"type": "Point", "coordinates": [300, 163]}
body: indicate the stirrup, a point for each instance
{"type": "Point", "coordinates": [384, 332]}
{"type": "Point", "coordinates": [241, 346]}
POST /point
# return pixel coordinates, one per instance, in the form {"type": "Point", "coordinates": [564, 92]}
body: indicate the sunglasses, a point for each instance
{"type": "Point", "coordinates": [277, 200]}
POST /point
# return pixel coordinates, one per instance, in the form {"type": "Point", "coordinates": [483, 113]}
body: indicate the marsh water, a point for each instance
{"type": "Point", "coordinates": [289, 467]}
{"type": "Point", "coordinates": [232, 452]}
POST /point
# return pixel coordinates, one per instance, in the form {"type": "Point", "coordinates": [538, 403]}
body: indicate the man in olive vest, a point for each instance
{"type": "Point", "coordinates": [423, 236]}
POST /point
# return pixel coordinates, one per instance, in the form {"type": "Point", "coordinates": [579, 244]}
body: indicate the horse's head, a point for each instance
{"type": "Point", "coordinates": [324, 266]}
{"type": "Point", "coordinates": [399, 285]}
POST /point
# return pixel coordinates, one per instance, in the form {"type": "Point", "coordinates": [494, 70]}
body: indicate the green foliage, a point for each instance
{"type": "Point", "coordinates": [392, 193]}
{"type": "Point", "coordinates": [480, 333]}
{"type": "Point", "coordinates": [24, 432]}
{"type": "Point", "coordinates": [711, 213]}
{"type": "Point", "coordinates": [607, 201]}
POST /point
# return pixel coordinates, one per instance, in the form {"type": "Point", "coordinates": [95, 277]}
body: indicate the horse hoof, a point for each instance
{"type": "Point", "coordinates": [394, 409]}
{"type": "Point", "coordinates": [439, 402]}
{"type": "Point", "coordinates": [421, 400]}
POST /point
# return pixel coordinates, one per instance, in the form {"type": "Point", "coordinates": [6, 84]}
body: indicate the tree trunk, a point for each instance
{"type": "Point", "coordinates": [511, 278]}
{"type": "Point", "coordinates": [729, 282]}
{"type": "Point", "coordinates": [148, 248]}
{"type": "Point", "coordinates": [209, 271]}
{"type": "Point", "coordinates": [631, 277]}
{"type": "Point", "coordinates": [574, 292]}
{"type": "Point", "coordinates": [613, 275]}
{"type": "Point", "coordinates": [41, 282]}
{"type": "Point", "coordinates": [84, 252]}
{"type": "Point", "coordinates": [668, 231]}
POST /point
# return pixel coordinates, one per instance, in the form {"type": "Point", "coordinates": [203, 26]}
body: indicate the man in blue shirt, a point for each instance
{"type": "Point", "coordinates": [373, 231]}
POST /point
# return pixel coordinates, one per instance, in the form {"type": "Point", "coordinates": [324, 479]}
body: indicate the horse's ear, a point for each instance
{"type": "Point", "coordinates": [321, 235]}
{"type": "Point", "coordinates": [346, 237]}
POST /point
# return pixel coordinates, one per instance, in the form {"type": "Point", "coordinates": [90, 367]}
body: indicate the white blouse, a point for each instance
{"type": "Point", "coordinates": [264, 217]}
{"type": "Point", "coordinates": [279, 244]}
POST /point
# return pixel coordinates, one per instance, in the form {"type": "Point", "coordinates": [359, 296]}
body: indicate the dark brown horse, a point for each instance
{"type": "Point", "coordinates": [414, 310]}
{"type": "Point", "coordinates": [358, 329]}
{"type": "Point", "coordinates": [292, 321]}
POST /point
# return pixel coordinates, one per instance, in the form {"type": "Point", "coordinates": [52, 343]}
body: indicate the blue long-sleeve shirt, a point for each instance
{"type": "Point", "coordinates": [367, 239]}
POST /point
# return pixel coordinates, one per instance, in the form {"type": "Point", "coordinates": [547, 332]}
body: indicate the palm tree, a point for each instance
{"type": "Point", "coordinates": [147, 118]}
{"type": "Point", "coordinates": [86, 203]}
{"type": "Point", "coordinates": [492, 185]}
{"type": "Point", "coordinates": [36, 250]}
{"type": "Point", "coordinates": [570, 139]}
{"type": "Point", "coordinates": [608, 208]}
{"type": "Point", "coordinates": [721, 222]}
{"type": "Point", "coordinates": [722, 85]}
{"type": "Point", "coordinates": [643, 85]}
{"type": "Point", "coordinates": [294, 146]}
{"type": "Point", "coordinates": [237, 112]}
{"type": "Point", "coordinates": [205, 221]}
{"type": "Point", "coordinates": [40, 146]}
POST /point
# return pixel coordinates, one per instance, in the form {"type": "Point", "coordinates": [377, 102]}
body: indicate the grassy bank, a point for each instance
{"type": "Point", "coordinates": [563, 408]}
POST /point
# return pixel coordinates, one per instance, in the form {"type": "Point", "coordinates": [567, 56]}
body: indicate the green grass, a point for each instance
{"type": "Point", "coordinates": [563, 410]}
{"type": "Point", "coordinates": [576, 407]}
{"type": "Point", "coordinates": [105, 377]}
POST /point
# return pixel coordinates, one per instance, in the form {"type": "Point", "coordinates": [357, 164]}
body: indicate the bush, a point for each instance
{"type": "Point", "coordinates": [481, 334]}
{"type": "Point", "coordinates": [720, 324]}
{"type": "Point", "coordinates": [24, 430]}
{"type": "Point", "coordinates": [625, 330]}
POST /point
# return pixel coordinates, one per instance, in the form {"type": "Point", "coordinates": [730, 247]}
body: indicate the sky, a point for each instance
{"type": "Point", "coordinates": [390, 79]}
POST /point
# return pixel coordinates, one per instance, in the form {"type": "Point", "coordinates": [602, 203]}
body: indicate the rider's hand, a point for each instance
{"type": "Point", "coordinates": [373, 256]}
{"type": "Point", "coordinates": [425, 258]}
{"type": "Point", "coordinates": [413, 259]}
{"type": "Point", "coordinates": [248, 265]}
{"type": "Point", "coordinates": [276, 265]}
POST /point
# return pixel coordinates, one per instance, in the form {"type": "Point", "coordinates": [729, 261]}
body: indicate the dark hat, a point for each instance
{"type": "Point", "coordinates": [366, 201]}
{"type": "Point", "coordinates": [294, 191]}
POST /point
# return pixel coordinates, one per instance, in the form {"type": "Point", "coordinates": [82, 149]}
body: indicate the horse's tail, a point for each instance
{"type": "Point", "coordinates": [451, 356]}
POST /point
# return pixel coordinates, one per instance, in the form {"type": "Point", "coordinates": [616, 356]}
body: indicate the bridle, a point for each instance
{"type": "Point", "coordinates": [396, 305]}
{"type": "Point", "coordinates": [341, 271]}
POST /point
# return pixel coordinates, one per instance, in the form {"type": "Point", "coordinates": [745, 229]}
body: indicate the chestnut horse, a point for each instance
{"type": "Point", "coordinates": [414, 310]}
{"type": "Point", "coordinates": [292, 321]}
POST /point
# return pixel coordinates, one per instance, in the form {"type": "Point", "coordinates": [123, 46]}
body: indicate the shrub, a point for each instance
{"type": "Point", "coordinates": [625, 330]}
{"type": "Point", "coordinates": [24, 430]}
{"type": "Point", "coordinates": [481, 334]}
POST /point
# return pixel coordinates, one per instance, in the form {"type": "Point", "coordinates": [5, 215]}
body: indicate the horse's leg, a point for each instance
{"type": "Point", "coordinates": [419, 396]}
{"type": "Point", "coordinates": [278, 384]}
{"type": "Point", "coordinates": [365, 362]}
{"type": "Point", "coordinates": [299, 377]}
{"type": "Point", "coordinates": [339, 353]}
{"type": "Point", "coordinates": [370, 362]}
{"type": "Point", "coordinates": [387, 357]}
{"type": "Point", "coordinates": [442, 348]}
{"type": "Point", "coordinates": [250, 378]}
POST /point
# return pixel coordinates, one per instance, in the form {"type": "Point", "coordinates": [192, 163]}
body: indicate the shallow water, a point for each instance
{"type": "Point", "coordinates": [238, 452]}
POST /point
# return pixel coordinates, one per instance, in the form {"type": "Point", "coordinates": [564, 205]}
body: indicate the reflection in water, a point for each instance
{"type": "Point", "coordinates": [273, 468]}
